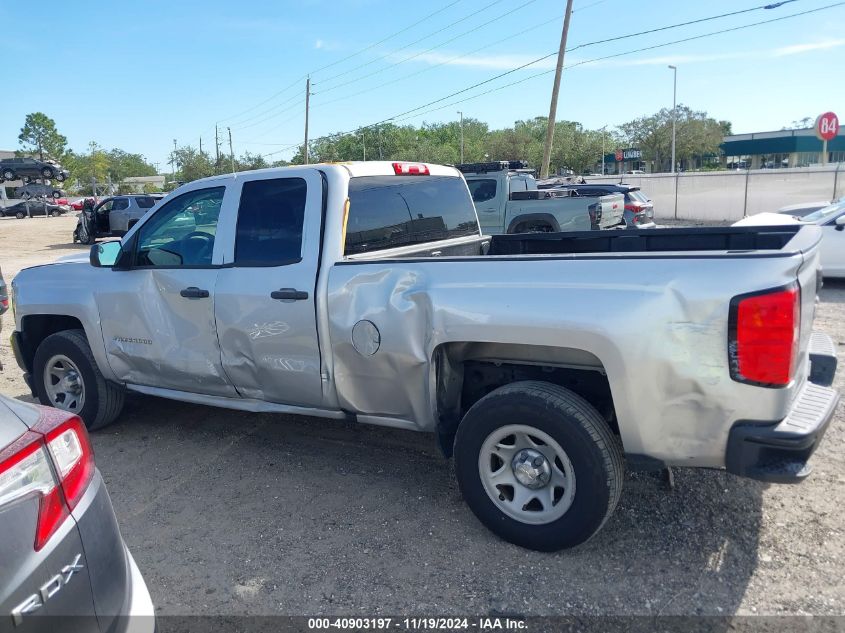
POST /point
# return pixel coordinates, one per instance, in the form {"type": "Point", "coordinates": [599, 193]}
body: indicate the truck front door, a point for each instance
{"type": "Point", "coordinates": [265, 310]}
{"type": "Point", "coordinates": [157, 317]}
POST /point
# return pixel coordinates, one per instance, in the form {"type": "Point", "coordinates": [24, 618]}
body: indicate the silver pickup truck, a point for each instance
{"type": "Point", "coordinates": [508, 201]}
{"type": "Point", "coordinates": [366, 292]}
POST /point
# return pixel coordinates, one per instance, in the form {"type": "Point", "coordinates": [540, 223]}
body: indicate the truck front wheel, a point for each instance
{"type": "Point", "coordinates": [538, 465]}
{"type": "Point", "coordinates": [66, 376]}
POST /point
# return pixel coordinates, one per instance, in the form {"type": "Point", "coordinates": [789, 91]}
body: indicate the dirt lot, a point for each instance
{"type": "Point", "coordinates": [234, 513]}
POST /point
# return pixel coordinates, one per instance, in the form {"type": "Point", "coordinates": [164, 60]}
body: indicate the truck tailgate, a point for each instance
{"type": "Point", "coordinates": [612, 209]}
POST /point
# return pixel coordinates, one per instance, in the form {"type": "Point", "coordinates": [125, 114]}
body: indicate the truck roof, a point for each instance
{"type": "Point", "coordinates": [353, 168]}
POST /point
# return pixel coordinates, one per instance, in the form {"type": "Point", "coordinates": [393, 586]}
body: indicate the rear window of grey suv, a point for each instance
{"type": "Point", "coordinates": [145, 202]}
{"type": "Point", "coordinates": [391, 211]}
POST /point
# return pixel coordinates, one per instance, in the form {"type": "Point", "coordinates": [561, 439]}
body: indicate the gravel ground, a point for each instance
{"type": "Point", "coordinates": [236, 513]}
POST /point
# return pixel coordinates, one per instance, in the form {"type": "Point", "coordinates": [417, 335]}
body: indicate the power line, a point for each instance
{"type": "Point", "coordinates": [417, 41]}
{"type": "Point", "coordinates": [533, 27]}
{"type": "Point", "coordinates": [258, 105]}
{"type": "Point", "coordinates": [358, 52]}
{"type": "Point", "coordinates": [398, 117]}
{"type": "Point", "coordinates": [428, 50]}
{"type": "Point", "coordinates": [615, 55]}
{"type": "Point", "coordinates": [241, 126]}
{"type": "Point", "coordinates": [389, 37]}
{"type": "Point", "coordinates": [587, 44]}
{"type": "Point", "coordinates": [240, 123]}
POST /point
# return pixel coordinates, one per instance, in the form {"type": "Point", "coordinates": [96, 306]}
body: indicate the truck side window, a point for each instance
{"type": "Point", "coordinates": [120, 204]}
{"type": "Point", "coordinates": [182, 232]}
{"type": "Point", "coordinates": [270, 219]}
{"type": "Point", "coordinates": [391, 211]}
{"type": "Point", "coordinates": [482, 190]}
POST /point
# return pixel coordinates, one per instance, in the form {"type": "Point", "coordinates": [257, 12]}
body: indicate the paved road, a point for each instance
{"type": "Point", "coordinates": [234, 513]}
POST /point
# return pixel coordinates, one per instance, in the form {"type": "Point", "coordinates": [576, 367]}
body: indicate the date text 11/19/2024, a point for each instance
{"type": "Point", "coordinates": [418, 624]}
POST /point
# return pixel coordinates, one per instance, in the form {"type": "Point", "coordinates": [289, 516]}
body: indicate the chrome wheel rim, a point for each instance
{"type": "Point", "coordinates": [527, 474]}
{"type": "Point", "coordinates": [63, 384]}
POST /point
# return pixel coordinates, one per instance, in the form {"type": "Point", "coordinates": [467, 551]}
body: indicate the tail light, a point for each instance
{"type": "Point", "coordinates": [53, 461]}
{"type": "Point", "coordinates": [411, 169]}
{"type": "Point", "coordinates": [763, 336]}
{"type": "Point", "coordinates": [595, 213]}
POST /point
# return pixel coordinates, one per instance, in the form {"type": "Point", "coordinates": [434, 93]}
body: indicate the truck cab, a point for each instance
{"type": "Point", "coordinates": [507, 200]}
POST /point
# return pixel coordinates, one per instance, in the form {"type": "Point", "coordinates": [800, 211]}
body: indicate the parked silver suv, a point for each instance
{"type": "Point", "coordinates": [118, 214]}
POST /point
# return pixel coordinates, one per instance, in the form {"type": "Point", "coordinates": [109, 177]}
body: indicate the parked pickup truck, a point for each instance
{"type": "Point", "coordinates": [367, 292]}
{"type": "Point", "coordinates": [508, 201]}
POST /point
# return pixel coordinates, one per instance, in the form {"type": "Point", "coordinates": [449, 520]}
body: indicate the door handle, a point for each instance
{"type": "Point", "coordinates": [194, 293]}
{"type": "Point", "coordinates": [289, 294]}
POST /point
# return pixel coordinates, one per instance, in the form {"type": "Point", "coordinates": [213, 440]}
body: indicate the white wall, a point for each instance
{"type": "Point", "coordinates": [721, 195]}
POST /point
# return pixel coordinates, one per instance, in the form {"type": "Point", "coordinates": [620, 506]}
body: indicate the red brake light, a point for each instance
{"type": "Point", "coordinates": [411, 169]}
{"type": "Point", "coordinates": [763, 343]}
{"type": "Point", "coordinates": [56, 446]}
{"type": "Point", "coordinates": [72, 456]}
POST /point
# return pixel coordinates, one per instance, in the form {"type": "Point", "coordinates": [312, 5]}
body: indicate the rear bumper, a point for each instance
{"type": "Point", "coordinates": [780, 452]}
{"type": "Point", "coordinates": [140, 613]}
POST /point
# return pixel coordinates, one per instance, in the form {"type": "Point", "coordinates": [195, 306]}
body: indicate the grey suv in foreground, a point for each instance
{"type": "Point", "coordinates": [63, 563]}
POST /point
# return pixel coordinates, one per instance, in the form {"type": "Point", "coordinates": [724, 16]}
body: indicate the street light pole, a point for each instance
{"type": "Point", "coordinates": [462, 135]}
{"type": "Point", "coordinates": [674, 112]}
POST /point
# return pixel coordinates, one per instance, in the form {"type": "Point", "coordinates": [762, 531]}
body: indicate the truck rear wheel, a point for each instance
{"type": "Point", "coordinates": [66, 376]}
{"type": "Point", "coordinates": [538, 465]}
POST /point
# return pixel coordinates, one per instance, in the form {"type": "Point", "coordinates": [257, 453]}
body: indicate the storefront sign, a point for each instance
{"type": "Point", "coordinates": [628, 154]}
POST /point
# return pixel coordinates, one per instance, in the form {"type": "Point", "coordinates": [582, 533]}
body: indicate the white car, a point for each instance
{"type": "Point", "coordinates": [832, 220]}
{"type": "Point", "coordinates": [805, 208]}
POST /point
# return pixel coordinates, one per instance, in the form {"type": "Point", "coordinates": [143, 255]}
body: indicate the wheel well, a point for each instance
{"type": "Point", "coordinates": [467, 372]}
{"type": "Point", "coordinates": [36, 327]}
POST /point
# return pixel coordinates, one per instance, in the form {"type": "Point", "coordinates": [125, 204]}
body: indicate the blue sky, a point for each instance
{"type": "Point", "coordinates": [138, 75]}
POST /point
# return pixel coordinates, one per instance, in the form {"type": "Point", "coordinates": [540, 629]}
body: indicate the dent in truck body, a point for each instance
{"type": "Point", "coordinates": [660, 339]}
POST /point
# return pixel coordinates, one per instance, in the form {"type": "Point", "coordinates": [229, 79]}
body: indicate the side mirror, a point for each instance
{"type": "Point", "coordinates": [105, 255]}
{"type": "Point", "coordinates": [840, 223]}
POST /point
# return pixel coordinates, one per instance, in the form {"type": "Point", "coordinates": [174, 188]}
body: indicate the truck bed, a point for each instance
{"type": "Point", "coordinates": [736, 239]}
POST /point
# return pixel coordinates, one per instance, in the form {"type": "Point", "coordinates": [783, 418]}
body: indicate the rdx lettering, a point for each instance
{"type": "Point", "coordinates": [49, 589]}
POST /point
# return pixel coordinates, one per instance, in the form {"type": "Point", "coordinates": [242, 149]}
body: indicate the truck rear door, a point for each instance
{"type": "Point", "coordinates": [264, 300]}
{"type": "Point", "coordinates": [612, 210]}
{"type": "Point", "coordinates": [489, 199]}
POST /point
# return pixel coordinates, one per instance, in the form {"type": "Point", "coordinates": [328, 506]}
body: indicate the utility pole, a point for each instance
{"type": "Point", "coordinates": [364, 145]}
{"type": "Point", "coordinates": [462, 135]}
{"type": "Point", "coordinates": [550, 133]}
{"type": "Point", "coordinates": [231, 151]}
{"type": "Point", "coordinates": [173, 161]}
{"type": "Point", "coordinates": [216, 151]}
{"type": "Point", "coordinates": [674, 113]}
{"type": "Point", "coordinates": [307, 103]}
{"type": "Point", "coordinates": [200, 145]}
{"type": "Point", "coordinates": [603, 133]}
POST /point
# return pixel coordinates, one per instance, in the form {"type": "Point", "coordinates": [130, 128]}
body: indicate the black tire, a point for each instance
{"type": "Point", "coordinates": [8, 174]}
{"type": "Point", "coordinates": [103, 400]}
{"type": "Point", "coordinates": [60, 177]}
{"type": "Point", "coordinates": [47, 172]}
{"type": "Point", "coordinates": [57, 195]}
{"type": "Point", "coordinates": [594, 452]}
{"type": "Point", "coordinates": [20, 215]}
{"type": "Point", "coordinates": [55, 213]}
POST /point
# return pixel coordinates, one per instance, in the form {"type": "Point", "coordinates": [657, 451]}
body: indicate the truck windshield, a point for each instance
{"type": "Point", "coordinates": [391, 211]}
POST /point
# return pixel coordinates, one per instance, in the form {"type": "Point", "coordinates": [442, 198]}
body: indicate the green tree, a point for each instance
{"type": "Point", "coordinates": [191, 164]}
{"type": "Point", "coordinates": [39, 134]}
{"type": "Point", "coordinates": [697, 136]}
